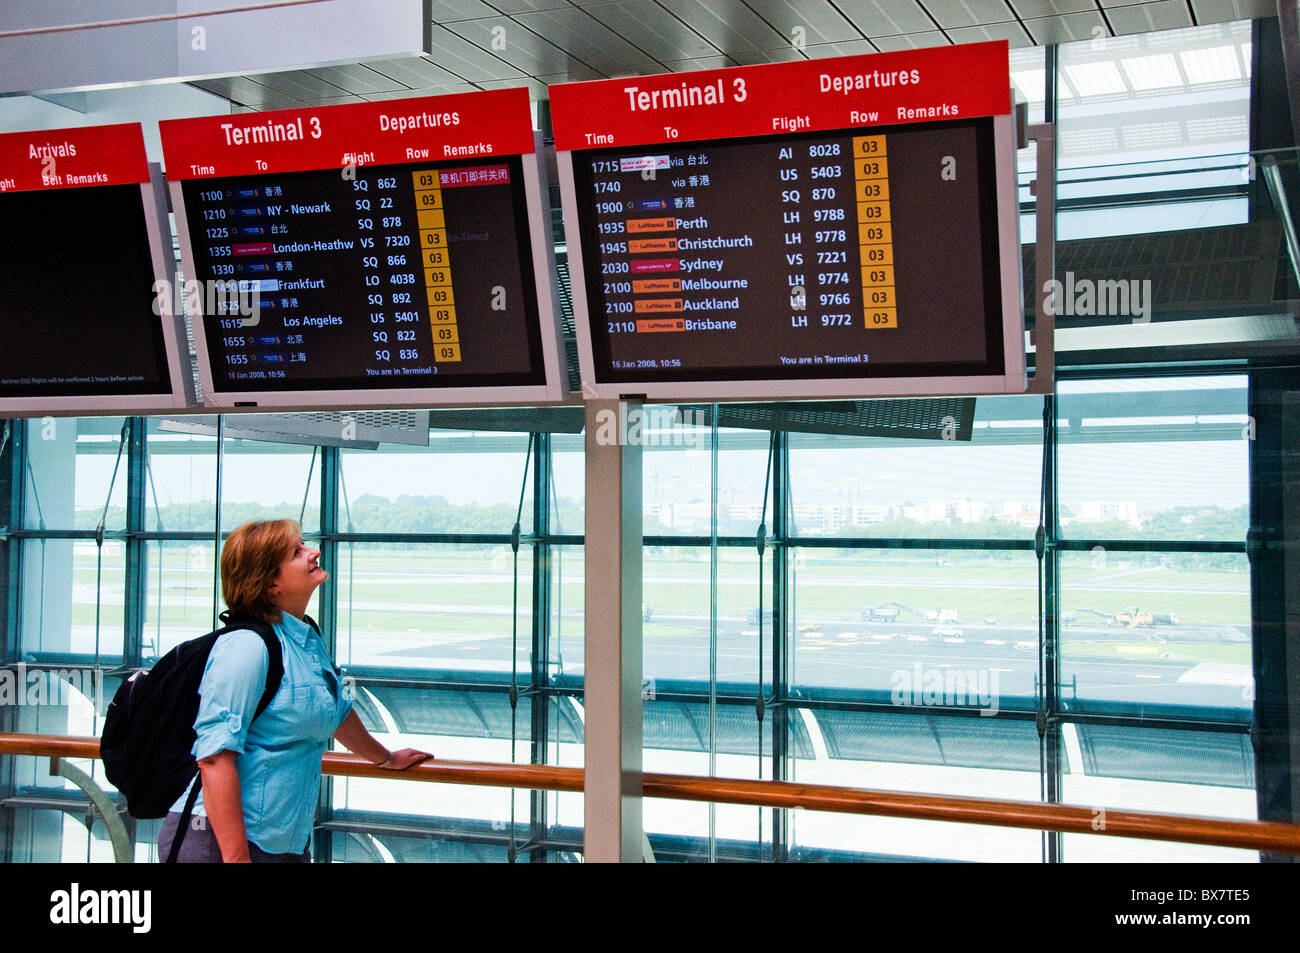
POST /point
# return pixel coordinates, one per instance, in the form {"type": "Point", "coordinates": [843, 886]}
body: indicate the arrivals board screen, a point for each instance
{"type": "Point", "coordinates": [81, 251]}
{"type": "Point", "coordinates": [388, 254]}
{"type": "Point", "coordinates": [852, 233]}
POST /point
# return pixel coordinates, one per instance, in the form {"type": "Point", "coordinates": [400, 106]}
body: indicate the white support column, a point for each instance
{"type": "Point", "coordinates": [612, 807]}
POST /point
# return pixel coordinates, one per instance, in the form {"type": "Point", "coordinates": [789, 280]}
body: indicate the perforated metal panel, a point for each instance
{"type": "Point", "coordinates": [512, 419]}
{"type": "Point", "coordinates": [931, 418]}
{"type": "Point", "coordinates": [382, 426]}
{"type": "Point", "coordinates": [362, 429]}
{"type": "Point", "coordinates": [567, 332]}
{"type": "Point", "coordinates": [1207, 270]}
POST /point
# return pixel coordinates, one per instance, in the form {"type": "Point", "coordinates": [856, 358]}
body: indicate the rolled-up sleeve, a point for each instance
{"type": "Point", "coordinates": [233, 681]}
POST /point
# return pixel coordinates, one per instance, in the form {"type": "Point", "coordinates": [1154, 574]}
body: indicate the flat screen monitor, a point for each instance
{"type": "Point", "coordinates": [84, 250]}
{"type": "Point", "coordinates": [827, 228]}
{"type": "Point", "coordinates": [381, 254]}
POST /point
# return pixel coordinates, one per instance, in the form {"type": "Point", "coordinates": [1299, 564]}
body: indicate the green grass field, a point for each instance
{"type": "Point", "coordinates": [386, 592]}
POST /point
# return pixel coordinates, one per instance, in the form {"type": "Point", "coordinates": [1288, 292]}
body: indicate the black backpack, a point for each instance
{"type": "Point", "coordinates": [149, 728]}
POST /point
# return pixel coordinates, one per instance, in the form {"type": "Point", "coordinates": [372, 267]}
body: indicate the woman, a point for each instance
{"type": "Point", "coordinates": [261, 777]}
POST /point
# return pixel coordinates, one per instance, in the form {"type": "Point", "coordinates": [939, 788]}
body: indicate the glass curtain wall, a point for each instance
{"type": "Point", "coordinates": [1054, 606]}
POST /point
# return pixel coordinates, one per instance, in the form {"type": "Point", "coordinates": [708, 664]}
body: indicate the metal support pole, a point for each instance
{"type": "Point", "coordinates": [539, 701]}
{"type": "Point", "coordinates": [12, 455]}
{"type": "Point", "coordinates": [137, 562]}
{"type": "Point", "coordinates": [330, 462]}
{"type": "Point", "coordinates": [781, 633]}
{"type": "Point", "coordinates": [612, 786]}
{"type": "Point", "coordinates": [1052, 628]}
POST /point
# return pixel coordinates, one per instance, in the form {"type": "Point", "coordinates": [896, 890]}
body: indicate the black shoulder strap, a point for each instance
{"type": "Point", "coordinates": [275, 654]}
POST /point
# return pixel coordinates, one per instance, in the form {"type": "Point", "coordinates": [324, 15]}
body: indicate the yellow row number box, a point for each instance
{"type": "Point", "coordinates": [872, 168]}
{"type": "Point", "coordinates": [446, 353]}
{"type": "Point", "coordinates": [877, 255]}
{"type": "Point", "coordinates": [427, 179]}
{"type": "Point", "coordinates": [445, 315]}
{"type": "Point", "coordinates": [873, 190]}
{"type": "Point", "coordinates": [876, 276]}
{"type": "Point", "coordinates": [875, 233]}
{"type": "Point", "coordinates": [446, 334]}
{"type": "Point", "coordinates": [871, 212]}
{"type": "Point", "coordinates": [435, 258]}
{"type": "Point", "coordinates": [864, 147]}
{"type": "Point", "coordinates": [882, 317]}
{"type": "Point", "coordinates": [879, 297]}
{"type": "Point", "coordinates": [432, 218]}
{"type": "Point", "coordinates": [427, 201]}
{"type": "Point", "coordinates": [437, 277]}
{"type": "Point", "coordinates": [439, 297]}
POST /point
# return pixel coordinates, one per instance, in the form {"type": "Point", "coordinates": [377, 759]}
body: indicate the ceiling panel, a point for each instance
{"type": "Point", "coordinates": [1149, 17]}
{"type": "Point", "coordinates": [462, 58]}
{"type": "Point", "coordinates": [959, 13]}
{"type": "Point", "coordinates": [1067, 28]}
{"type": "Point", "coordinates": [517, 45]}
{"type": "Point", "coordinates": [355, 79]}
{"type": "Point", "coordinates": [536, 88]}
{"type": "Point", "coordinates": [1026, 9]}
{"type": "Point", "coordinates": [848, 48]}
{"type": "Point", "coordinates": [415, 72]}
{"type": "Point", "coordinates": [548, 41]}
{"type": "Point", "coordinates": [557, 79]}
{"type": "Point", "coordinates": [577, 75]}
{"type": "Point", "coordinates": [245, 92]}
{"type": "Point", "coordinates": [1218, 11]}
{"type": "Point", "coordinates": [703, 62]}
{"type": "Point", "coordinates": [783, 54]}
{"type": "Point", "coordinates": [589, 41]}
{"type": "Point", "coordinates": [730, 26]}
{"type": "Point", "coordinates": [297, 85]}
{"type": "Point", "coordinates": [654, 30]}
{"type": "Point", "coordinates": [1012, 32]}
{"type": "Point", "coordinates": [448, 11]}
{"type": "Point", "coordinates": [820, 22]}
{"type": "Point", "coordinates": [909, 41]}
{"type": "Point", "coordinates": [344, 100]}
{"type": "Point", "coordinates": [446, 90]}
{"type": "Point", "coordinates": [528, 6]}
{"type": "Point", "coordinates": [887, 17]}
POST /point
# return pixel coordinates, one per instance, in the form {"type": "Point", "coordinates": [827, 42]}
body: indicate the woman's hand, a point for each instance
{"type": "Point", "coordinates": [353, 735]}
{"type": "Point", "coordinates": [403, 759]}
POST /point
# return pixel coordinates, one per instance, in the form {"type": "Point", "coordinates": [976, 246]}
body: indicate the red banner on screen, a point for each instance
{"type": "Point", "coordinates": [72, 158]}
{"type": "Point", "coordinates": [479, 175]}
{"type": "Point", "coordinates": [434, 128]}
{"type": "Point", "coordinates": [947, 82]}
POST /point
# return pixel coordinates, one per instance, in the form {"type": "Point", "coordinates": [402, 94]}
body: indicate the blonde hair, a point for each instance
{"type": "Point", "coordinates": [250, 563]}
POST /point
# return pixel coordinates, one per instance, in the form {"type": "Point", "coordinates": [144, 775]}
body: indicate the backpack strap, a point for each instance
{"type": "Point", "coordinates": [184, 824]}
{"type": "Point", "coordinates": [275, 654]}
{"type": "Point", "coordinates": [274, 676]}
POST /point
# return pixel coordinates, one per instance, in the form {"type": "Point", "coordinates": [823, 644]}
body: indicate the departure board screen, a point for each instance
{"type": "Point", "coordinates": [369, 275]}
{"type": "Point", "coordinates": [78, 310]}
{"type": "Point", "coordinates": [782, 257]}
{"type": "Point", "coordinates": [841, 245]}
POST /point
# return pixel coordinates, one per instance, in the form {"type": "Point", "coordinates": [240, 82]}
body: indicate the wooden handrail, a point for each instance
{"type": "Point", "coordinates": [1248, 835]}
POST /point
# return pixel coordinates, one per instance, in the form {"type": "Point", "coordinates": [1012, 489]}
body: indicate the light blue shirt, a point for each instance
{"type": "Point", "coordinates": [279, 753]}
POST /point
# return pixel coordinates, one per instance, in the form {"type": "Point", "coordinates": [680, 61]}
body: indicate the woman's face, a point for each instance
{"type": "Point", "coordinates": [298, 578]}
